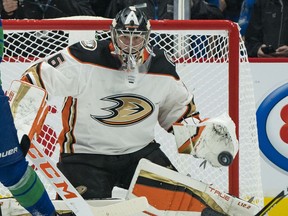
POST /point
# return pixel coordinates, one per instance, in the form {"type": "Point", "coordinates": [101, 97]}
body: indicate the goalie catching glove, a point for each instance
{"type": "Point", "coordinates": [213, 139]}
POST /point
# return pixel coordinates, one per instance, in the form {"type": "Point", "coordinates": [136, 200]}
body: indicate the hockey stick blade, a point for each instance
{"type": "Point", "coordinates": [124, 208]}
{"type": "Point", "coordinates": [111, 207]}
{"type": "Point", "coordinates": [10, 207]}
{"type": "Point", "coordinates": [272, 203]}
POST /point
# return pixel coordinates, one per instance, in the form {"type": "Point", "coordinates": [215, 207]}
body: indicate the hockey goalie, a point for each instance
{"type": "Point", "coordinates": [116, 91]}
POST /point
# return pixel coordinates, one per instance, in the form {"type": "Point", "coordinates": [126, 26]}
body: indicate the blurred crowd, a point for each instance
{"type": "Point", "coordinates": [263, 24]}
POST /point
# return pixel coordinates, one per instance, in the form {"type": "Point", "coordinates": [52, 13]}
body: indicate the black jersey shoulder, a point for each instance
{"type": "Point", "coordinates": [95, 52]}
{"type": "Point", "coordinates": [160, 64]}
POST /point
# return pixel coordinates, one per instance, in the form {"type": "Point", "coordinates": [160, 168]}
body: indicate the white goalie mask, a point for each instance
{"type": "Point", "coordinates": [130, 32]}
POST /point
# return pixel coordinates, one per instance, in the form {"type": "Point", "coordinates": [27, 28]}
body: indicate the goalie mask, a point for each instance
{"type": "Point", "coordinates": [130, 32]}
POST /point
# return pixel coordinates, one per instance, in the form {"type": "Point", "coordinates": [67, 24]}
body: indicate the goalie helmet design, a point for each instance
{"type": "Point", "coordinates": [130, 32]}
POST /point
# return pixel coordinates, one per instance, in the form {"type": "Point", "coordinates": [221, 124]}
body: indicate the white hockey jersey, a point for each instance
{"type": "Point", "coordinates": [107, 110]}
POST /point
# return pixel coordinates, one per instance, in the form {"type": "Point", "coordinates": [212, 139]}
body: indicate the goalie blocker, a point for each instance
{"type": "Point", "coordinates": [213, 139]}
{"type": "Point", "coordinates": [171, 193]}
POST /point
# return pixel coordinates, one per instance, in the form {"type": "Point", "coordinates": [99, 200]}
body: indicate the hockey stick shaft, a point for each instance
{"type": "Point", "coordinates": [71, 196]}
{"type": "Point", "coordinates": [58, 181]}
{"type": "Point", "coordinates": [272, 203]}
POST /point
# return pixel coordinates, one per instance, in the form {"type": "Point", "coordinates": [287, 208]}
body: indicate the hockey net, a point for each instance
{"type": "Point", "coordinates": [212, 61]}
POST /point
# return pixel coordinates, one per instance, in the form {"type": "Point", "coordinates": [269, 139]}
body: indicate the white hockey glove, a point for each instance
{"type": "Point", "coordinates": [213, 140]}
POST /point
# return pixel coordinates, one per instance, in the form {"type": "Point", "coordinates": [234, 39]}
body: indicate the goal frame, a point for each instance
{"type": "Point", "coordinates": [233, 67]}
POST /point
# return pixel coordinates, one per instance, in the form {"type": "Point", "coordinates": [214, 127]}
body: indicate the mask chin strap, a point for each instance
{"type": "Point", "coordinates": [130, 65]}
{"type": "Point", "coordinates": [132, 72]}
{"type": "Point", "coordinates": [130, 61]}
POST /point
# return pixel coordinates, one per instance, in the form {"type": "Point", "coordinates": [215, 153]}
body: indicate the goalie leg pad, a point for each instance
{"type": "Point", "coordinates": [167, 190]}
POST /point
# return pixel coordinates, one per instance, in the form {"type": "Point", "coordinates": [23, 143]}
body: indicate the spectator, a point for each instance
{"type": "Point", "coordinates": [231, 9]}
{"type": "Point", "coordinates": [236, 11]}
{"type": "Point", "coordinates": [203, 10]}
{"type": "Point", "coordinates": [214, 2]}
{"type": "Point", "coordinates": [153, 9]}
{"type": "Point", "coordinates": [43, 9]}
{"type": "Point", "coordinates": [100, 6]}
{"type": "Point", "coordinates": [245, 15]}
{"type": "Point", "coordinates": [156, 9]}
{"type": "Point", "coordinates": [268, 26]}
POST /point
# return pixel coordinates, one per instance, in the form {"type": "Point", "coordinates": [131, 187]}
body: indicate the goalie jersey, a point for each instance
{"type": "Point", "coordinates": [107, 110]}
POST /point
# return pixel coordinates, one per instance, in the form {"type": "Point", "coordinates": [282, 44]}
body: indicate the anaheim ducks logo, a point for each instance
{"type": "Point", "coordinates": [89, 44]}
{"type": "Point", "coordinates": [128, 109]}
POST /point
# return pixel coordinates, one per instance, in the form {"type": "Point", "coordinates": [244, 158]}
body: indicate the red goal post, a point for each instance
{"type": "Point", "coordinates": [211, 50]}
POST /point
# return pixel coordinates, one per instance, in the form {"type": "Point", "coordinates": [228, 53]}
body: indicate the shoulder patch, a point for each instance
{"type": "Point", "coordinates": [169, 58]}
{"type": "Point", "coordinates": [89, 44]}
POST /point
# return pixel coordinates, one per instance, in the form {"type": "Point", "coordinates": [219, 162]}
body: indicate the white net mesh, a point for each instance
{"type": "Point", "coordinates": [204, 63]}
